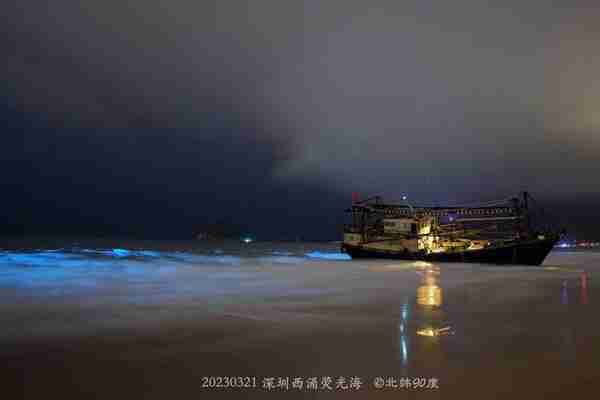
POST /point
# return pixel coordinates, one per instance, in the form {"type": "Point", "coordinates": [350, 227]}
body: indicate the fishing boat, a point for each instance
{"type": "Point", "coordinates": [496, 232]}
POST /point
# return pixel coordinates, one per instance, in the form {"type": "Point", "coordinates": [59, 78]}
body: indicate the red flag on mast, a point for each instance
{"type": "Point", "coordinates": [355, 197]}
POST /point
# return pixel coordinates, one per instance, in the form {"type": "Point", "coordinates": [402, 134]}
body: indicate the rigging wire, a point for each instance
{"type": "Point", "coordinates": [467, 205]}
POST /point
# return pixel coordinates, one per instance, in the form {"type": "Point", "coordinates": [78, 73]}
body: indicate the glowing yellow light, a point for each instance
{"type": "Point", "coordinates": [429, 295]}
{"type": "Point", "coordinates": [422, 264]}
{"type": "Point", "coordinates": [431, 332]}
{"type": "Point", "coordinates": [427, 332]}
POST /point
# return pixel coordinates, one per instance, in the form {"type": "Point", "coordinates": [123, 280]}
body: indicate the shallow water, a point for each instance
{"type": "Point", "coordinates": [176, 312]}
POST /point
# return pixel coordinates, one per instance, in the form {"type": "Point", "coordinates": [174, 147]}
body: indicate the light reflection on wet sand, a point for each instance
{"type": "Point", "coordinates": [154, 327]}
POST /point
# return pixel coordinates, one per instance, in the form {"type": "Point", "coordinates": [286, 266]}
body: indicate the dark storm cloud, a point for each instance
{"type": "Point", "coordinates": [299, 101]}
{"type": "Point", "coordinates": [154, 183]}
{"type": "Point", "coordinates": [120, 116]}
{"type": "Point", "coordinates": [453, 98]}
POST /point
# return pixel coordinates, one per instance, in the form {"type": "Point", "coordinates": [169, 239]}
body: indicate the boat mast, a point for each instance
{"type": "Point", "coordinates": [526, 209]}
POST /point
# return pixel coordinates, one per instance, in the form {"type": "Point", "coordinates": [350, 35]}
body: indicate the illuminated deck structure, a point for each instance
{"type": "Point", "coordinates": [499, 232]}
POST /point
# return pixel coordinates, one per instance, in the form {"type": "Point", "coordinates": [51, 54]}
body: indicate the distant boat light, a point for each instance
{"type": "Point", "coordinates": [247, 240]}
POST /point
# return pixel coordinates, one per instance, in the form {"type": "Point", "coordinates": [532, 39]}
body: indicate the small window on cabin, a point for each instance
{"type": "Point", "coordinates": [413, 228]}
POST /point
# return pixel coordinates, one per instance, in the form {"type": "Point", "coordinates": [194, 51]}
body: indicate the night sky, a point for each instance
{"type": "Point", "coordinates": [151, 118]}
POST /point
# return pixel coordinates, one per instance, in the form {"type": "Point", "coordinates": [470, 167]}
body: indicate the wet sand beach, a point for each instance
{"type": "Point", "coordinates": [157, 326]}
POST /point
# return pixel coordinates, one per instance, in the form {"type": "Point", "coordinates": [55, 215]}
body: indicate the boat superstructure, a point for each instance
{"type": "Point", "coordinates": [499, 232]}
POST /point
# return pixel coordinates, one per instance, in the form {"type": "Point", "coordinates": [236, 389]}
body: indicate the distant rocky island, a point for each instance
{"type": "Point", "coordinates": [220, 230]}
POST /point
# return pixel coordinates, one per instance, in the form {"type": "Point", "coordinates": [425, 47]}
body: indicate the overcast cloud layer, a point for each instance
{"type": "Point", "coordinates": [445, 101]}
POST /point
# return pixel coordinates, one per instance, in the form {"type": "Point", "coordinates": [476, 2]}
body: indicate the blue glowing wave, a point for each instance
{"type": "Point", "coordinates": [328, 256]}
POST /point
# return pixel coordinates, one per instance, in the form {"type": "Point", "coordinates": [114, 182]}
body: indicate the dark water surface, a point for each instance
{"type": "Point", "coordinates": [122, 319]}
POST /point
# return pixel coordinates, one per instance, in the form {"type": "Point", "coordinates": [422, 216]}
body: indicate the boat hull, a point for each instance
{"type": "Point", "coordinates": [527, 252]}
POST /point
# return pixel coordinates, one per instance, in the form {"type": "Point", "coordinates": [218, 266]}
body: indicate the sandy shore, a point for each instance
{"type": "Point", "coordinates": [514, 331]}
